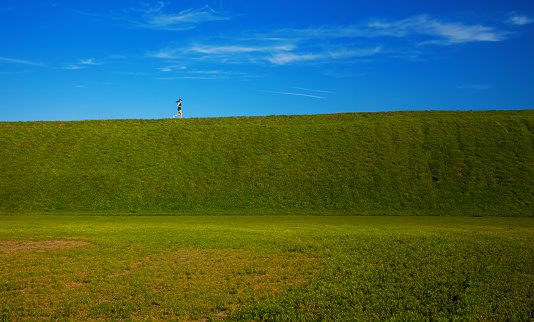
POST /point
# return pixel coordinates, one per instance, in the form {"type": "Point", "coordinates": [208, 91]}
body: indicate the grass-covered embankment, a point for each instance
{"type": "Point", "coordinates": [432, 163]}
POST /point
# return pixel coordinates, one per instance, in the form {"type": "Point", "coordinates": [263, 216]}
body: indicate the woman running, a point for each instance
{"type": "Point", "coordinates": [179, 108]}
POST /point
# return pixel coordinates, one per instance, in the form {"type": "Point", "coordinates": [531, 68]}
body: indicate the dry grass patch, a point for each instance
{"type": "Point", "coordinates": [13, 246]}
{"type": "Point", "coordinates": [192, 284]}
{"type": "Point", "coordinates": [53, 279]}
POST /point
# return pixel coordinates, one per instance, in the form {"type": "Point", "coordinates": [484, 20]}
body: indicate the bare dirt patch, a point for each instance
{"type": "Point", "coordinates": [14, 246]}
{"type": "Point", "coordinates": [73, 285]}
{"type": "Point", "coordinates": [217, 317]}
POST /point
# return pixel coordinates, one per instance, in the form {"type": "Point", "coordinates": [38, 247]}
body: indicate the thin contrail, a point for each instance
{"type": "Point", "coordinates": [297, 94]}
{"type": "Point", "coordinates": [314, 90]}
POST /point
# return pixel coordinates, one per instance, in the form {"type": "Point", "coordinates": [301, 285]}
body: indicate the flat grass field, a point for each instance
{"type": "Point", "coordinates": [259, 268]}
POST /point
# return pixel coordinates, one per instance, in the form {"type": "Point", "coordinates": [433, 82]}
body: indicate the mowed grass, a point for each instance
{"type": "Point", "coordinates": [257, 268]}
{"type": "Point", "coordinates": [394, 163]}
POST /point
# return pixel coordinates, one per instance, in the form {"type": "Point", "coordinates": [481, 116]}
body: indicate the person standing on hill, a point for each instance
{"type": "Point", "coordinates": [179, 108]}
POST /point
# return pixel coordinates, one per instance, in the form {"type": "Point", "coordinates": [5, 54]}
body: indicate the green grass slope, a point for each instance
{"type": "Point", "coordinates": [428, 163]}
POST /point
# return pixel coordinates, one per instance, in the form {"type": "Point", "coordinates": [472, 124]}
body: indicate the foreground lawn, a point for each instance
{"type": "Point", "coordinates": [266, 268]}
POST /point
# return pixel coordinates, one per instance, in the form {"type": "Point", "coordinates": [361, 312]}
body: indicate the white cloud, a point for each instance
{"type": "Point", "coordinates": [441, 32]}
{"type": "Point", "coordinates": [236, 53]}
{"type": "Point", "coordinates": [155, 18]}
{"type": "Point", "coordinates": [82, 64]}
{"type": "Point", "coordinates": [314, 90]}
{"type": "Point", "coordinates": [225, 49]}
{"type": "Point", "coordinates": [420, 25]}
{"type": "Point", "coordinates": [458, 33]}
{"type": "Point", "coordinates": [519, 20]}
{"type": "Point", "coordinates": [335, 44]}
{"type": "Point", "coordinates": [204, 74]}
{"type": "Point", "coordinates": [476, 87]}
{"type": "Point", "coordinates": [264, 50]}
{"type": "Point", "coordinates": [89, 61]}
{"type": "Point", "coordinates": [72, 67]}
{"type": "Point", "coordinates": [187, 77]}
{"type": "Point", "coordinates": [342, 52]}
{"type": "Point", "coordinates": [295, 94]}
{"type": "Point", "coordinates": [19, 61]}
{"type": "Point", "coordinates": [172, 68]}
{"type": "Point", "coordinates": [286, 58]}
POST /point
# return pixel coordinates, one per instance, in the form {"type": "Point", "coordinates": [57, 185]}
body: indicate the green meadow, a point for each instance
{"type": "Point", "coordinates": [398, 216]}
{"type": "Point", "coordinates": [266, 268]}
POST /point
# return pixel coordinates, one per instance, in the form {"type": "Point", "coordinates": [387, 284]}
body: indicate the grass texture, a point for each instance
{"type": "Point", "coordinates": [266, 268]}
{"type": "Point", "coordinates": [398, 163]}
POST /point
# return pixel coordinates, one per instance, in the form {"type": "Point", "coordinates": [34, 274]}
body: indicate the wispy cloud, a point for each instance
{"type": "Point", "coordinates": [159, 17]}
{"type": "Point", "coordinates": [441, 32]}
{"type": "Point", "coordinates": [282, 58]}
{"type": "Point", "coordinates": [72, 67]}
{"type": "Point", "coordinates": [314, 90]}
{"type": "Point", "coordinates": [324, 54]}
{"type": "Point", "coordinates": [420, 25]}
{"type": "Point", "coordinates": [519, 19]}
{"type": "Point", "coordinates": [90, 61]}
{"type": "Point", "coordinates": [295, 94]}
{"type": "Point", "coordinates": [481, 87]}
{"type": "Point", "coordinates": [238, 49]}
{"type": "Point", "coordinates": [19, 61]}
{"type": "Point", "coordinates": [83, 63]}
{"type": "Point", "coordinates": [278, 51]}
{"type": "Point", "coordinates": [188, 77]}
{"type": "Point", "coordinates": [364, 40]}
{"type": "Point", "coordinates": [183, 73]}
{"type": "Point", "coordinates": [155, 17]}
{"type": "Point", "coordinates": [171, 68]}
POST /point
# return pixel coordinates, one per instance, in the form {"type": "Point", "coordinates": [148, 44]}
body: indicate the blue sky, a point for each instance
{"type": "Point", "coordinates": [78, 60]}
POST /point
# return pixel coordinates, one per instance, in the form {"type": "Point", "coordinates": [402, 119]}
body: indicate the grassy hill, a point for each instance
{"type": "Point", "coordinates": [398, 163]}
